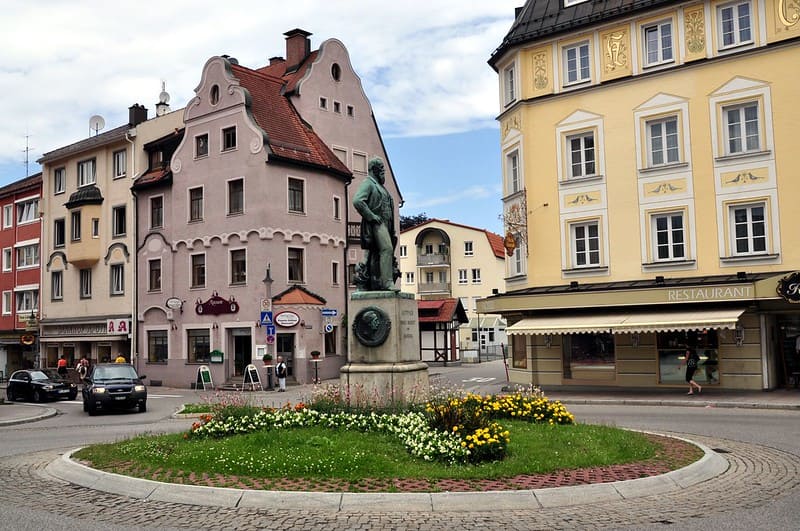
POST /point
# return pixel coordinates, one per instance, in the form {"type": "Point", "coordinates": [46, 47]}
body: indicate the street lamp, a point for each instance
{"type": "Point", "coordinates": [268, 291]}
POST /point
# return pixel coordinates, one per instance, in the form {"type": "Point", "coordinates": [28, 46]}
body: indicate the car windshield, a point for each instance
{"type": "Point", "coordinates": [113, 372]}
{"type": "Point", "coordinates": [38, 375]}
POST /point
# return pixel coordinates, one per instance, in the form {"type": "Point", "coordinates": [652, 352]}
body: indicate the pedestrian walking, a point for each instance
{"type": "Point", "coordinates": [691, 359]}
{"type": "Point", "coordinates": [61, 367]}
{"type": "Point", "coordinates": [280, 372]}
{"type": "Point", "coordinates": [82, 368]}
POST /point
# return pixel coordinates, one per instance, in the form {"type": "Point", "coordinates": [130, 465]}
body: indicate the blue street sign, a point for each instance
{"type": "Point", "coordinates": [266, 318]}
{"type": "Point", "coordinates": [271, 330]}
{"type": "Point", "coordinates": [329, 312]}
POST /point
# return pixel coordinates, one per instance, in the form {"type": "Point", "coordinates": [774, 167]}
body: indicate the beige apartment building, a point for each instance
{"type": "Point", "coordinates": [440, 259]}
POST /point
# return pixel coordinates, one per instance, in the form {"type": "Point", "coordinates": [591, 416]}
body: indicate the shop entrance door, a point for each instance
{"type": "Point", "coordinates": [284, 345]}
{"type": "Point", "coordinates": [242, 350]}
{"type": "Point", "coordinates": [789, 365]}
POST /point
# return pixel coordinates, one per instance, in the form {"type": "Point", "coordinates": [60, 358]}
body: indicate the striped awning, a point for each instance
{"type": "Point", "coordinates": [624, 323]}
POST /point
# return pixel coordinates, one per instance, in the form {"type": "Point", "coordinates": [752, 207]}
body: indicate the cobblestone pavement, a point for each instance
{"type": "Point", "coordinates": [756, 475]}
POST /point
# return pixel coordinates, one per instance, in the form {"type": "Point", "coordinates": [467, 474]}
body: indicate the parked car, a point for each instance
{"type": "Point", "coordinates": [38, 385]}
{"type": "Point", "coordinates": [113, 386]}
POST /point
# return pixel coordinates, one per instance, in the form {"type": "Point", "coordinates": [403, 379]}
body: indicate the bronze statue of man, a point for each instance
{"type": "Point", "coordinates": [378, 271]}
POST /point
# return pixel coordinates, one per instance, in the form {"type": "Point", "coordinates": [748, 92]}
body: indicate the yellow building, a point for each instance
{"type": "Point", "coordinates": [650, 175]}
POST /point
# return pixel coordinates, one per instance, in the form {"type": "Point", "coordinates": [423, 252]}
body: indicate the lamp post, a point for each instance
{"type": "Point", "coordinates": [270, 346]}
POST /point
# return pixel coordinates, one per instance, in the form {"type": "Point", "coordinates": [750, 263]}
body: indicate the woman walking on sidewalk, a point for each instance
{"type": "Point", "coordinates": [691, 359]}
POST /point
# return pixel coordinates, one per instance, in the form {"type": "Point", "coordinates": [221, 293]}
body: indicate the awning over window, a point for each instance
{"type": "Point", "coordinates": [630, 322]}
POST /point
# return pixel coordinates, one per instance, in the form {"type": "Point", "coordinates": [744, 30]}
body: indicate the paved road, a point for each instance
{"type": "Point", "coordinates": [760, 490]}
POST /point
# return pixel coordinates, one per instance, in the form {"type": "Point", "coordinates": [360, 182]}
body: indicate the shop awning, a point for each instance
{"type": "Point", "coordinates": [630, 322]}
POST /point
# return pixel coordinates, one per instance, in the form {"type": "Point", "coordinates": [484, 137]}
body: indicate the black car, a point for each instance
{"type": "Point", "coordinates": [38, 385]}
{"type": "Point", "coordinates": [113, 386]}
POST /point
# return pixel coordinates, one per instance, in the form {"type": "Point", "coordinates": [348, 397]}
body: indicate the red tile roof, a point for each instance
{"type": "Point", "coordinates": [157, 176]}
{"type": "Point", "coordinates": [278, 69]}
{"type": "Point", "coordinates": [297, 295]}
{"type": "Point", "coordinates": [441, 311]}
{"type": "Point", "coordinates": [288, 136]}
{"type": "Point", "coordinates": [495, 240]}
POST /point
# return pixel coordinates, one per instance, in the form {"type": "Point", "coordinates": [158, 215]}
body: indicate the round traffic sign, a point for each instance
{"type": "Point", "coordinates": [270, 340]}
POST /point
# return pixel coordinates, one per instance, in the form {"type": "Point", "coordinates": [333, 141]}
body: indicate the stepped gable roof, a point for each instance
{"type": "Point", "coordinates": [102, 139]}
{"type": "Point", "coordinates": [441, 311]}
{"type": "Point", "coordinates": [544, 18]}
{"type": "Point", "coordinates": [495, 240]}
{"type": "Point", "coordinates": [297, 295]}
{"type": "Point", "coordinates": [288, 136]}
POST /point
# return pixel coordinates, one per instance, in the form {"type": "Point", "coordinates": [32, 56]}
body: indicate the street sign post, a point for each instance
{"type": "Point", "coordinates": [266, 318]}
{"type": "Point", "coordinates": [329, 312]}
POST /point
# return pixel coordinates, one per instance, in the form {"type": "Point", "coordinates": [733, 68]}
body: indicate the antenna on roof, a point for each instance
{"type": "Point", "coordinates": [27, 151]}
{"type": "Point", "coordinates": [96, 123]}
{"type": "Point", "coordinates": [162, 107]}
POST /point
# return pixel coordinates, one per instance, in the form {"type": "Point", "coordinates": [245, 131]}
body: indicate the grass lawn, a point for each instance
{"type": "Point", "coordinates": [319, 453]}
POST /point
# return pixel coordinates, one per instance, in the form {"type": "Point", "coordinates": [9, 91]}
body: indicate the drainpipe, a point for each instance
{"type": "Point", "coordinates": [135, 306]}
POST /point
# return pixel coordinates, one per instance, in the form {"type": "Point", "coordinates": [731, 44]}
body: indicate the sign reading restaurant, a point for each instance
{"type": "Point", "coordinates": [710, 293]}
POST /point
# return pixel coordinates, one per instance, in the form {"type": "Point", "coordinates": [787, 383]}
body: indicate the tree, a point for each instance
{"type": "Point", "coordinates": [406, 222]}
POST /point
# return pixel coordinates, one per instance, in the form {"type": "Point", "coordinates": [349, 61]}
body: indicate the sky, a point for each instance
{"type": "Point", "coordinates": [423, 66]}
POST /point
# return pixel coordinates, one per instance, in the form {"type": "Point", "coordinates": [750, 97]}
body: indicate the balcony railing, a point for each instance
{"type": "Point", "coordinates": [433, 259]}
{"type": "Point", "coordinates": [434, 287]}
{"type": "Point", "coordinates": [353, 231]}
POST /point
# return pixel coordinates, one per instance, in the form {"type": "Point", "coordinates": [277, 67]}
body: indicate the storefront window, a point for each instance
{"type": "Point", "coordinates": [589, 356]}
{"type": "Point", "coordinates": [157, 346]}
{"type": "Point", "coordinates": [199, 346]}
{"type": "Point", "coordinates": [672, 350]}
{"type": "Point", "coordinates": [519, 357]}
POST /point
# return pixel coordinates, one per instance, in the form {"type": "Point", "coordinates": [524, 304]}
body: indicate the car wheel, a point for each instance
{"type": "Point", "coordinates": [37, 396]}
{"type": "Point", "coordinates": [73, 396]}
{"type": "Point", "coordinates": [11, 395]}
{"type": "Point", "coordinates": [92, 410]}
{"type": "Point", "coordinates": [85, 405]}
{"type": "Point", "coordinates": [142, 407]}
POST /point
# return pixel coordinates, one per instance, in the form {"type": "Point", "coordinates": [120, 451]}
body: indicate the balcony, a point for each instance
{"type": "Point", "coordinates": [433, 287]}
{"type": "Point", "coordinates": [433, 259]}
{"type": "Point", "coordinates": [353, 232]}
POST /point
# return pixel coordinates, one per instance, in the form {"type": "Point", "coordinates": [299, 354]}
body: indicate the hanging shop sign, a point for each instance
{"type": "Point", "coordinates": [118, 326]}
{"type": "Point", "coordinates": [789, 287]}
{"type": "Point", "coordinates": [216, 305]}
{"type": "Point", "coordinates": [27, 339]}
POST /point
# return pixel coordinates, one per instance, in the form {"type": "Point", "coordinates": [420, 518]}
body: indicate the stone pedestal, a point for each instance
{"type": "Point", "coordinates": [384, 365]}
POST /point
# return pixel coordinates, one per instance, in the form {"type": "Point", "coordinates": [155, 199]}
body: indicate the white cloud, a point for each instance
{"type": "Point", "coordinates": [423, 64]}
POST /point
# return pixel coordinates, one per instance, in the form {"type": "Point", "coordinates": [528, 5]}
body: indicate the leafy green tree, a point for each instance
{"type": "Point", "coordinates": [406, 222]}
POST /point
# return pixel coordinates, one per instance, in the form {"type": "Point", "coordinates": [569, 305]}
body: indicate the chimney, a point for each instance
{"type": "Point", "coordinates": [275, 60]}
{"type": "Point", "coordinates": [136, 114]}
{"type": "Point", "coordinates": [298, 46]}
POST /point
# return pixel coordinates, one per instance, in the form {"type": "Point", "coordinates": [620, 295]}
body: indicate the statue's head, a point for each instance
{"type": "Point", "coordinates": [376, 169]}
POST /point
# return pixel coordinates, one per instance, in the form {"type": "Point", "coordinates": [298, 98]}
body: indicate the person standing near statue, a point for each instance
{"type": "Point", "coordinates": [378, 271]}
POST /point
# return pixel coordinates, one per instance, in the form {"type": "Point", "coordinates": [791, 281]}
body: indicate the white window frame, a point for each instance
{"type": "Point", "coordinates": [359, 161]}
{"type": "Point", "coordinates": [582, 72]}
{"type": "Point", "coordinates": [517, 261]}
{"type": "Point", "coordinates": [117, 212]}
{"type": "Point", "coordinates": [509, 84]}
{"type": "Point", "coordinates": [87, 172]}
{"type": "Point", "coordinates": [59, 180]}
{"type": "Point", "coordinates": [8, 258]}
{"type": "Point", "coordinates": [741, 128]}
{"type": "Point", "coordinates": [147, 332]}
{"type": "Point", "coordinates": [57, 285]}
{"type": "Point", "coordinates": [222, 133]}
{"type": "Point", "coordinates": [582, 162]}
{"type": "Point", "coordinates": [659, 29]}
{"type": "Point", "coordinates": [337, 208]}
{"type": "Point", "coordinates": [334, 273]}
{"type": "Point", "coordinates": [152, 225]}
{"type": "Point", "coordinates": [469, 248]}
{"type": "Point", "coordinates": [303, 276]}
{"type": "Point", "coordinates": [27, 256]}
{"type": "Point", "coordinates": [575, 253]}
{"type": "Point", "coordinates": [670, 231]}
{"type": "Point", "coordinates": [304, 206]}
{"type": "Point", "coordinates": [750, 224]}
{"type": "Point", "coordinates": [95, 227]}
{"type": "Point", "coordinates": [75, 228]}
{"type": "Point", "coordinates": [737, 31]}
{"type": "Point", "coordinates": [7, 302]}
{"type": "Point", "coordinates": [85, 283]}
{"type": "Point", "coordinates": [463, 277]}
{"type": "Point", "coordinates": [117, 279]}
{"type": "Point", "coordinates": [475, 274]}
{"type": "Point", "coordinates": [665, 149]}
{"type": "Point", "coordinates": [27, 210]}
{"type": "Point", "coordinates": [8, 215]}
{"type": "Point", "coordinates": [403, 251]}
{"type": "Point", "coordinates": [120, 163]}
{"type": "Point", "coordinates": [231, 280]}
{"type": "Point", "coordinates": [27, 301]}
{"type": "Point", "coordinates": [198, 140]}
{"type": "Point", "coordinates": [228, 197]}
{"type": "Point", "coordinates": [513, 182]}
{"type": "Point", "coordinates": [410, 277]}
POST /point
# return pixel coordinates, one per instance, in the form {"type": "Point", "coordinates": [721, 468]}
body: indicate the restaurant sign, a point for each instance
{"type": "Point", "coordinates": [216, 305]}
{"type": "Point", "coordinates": [789, 287]}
